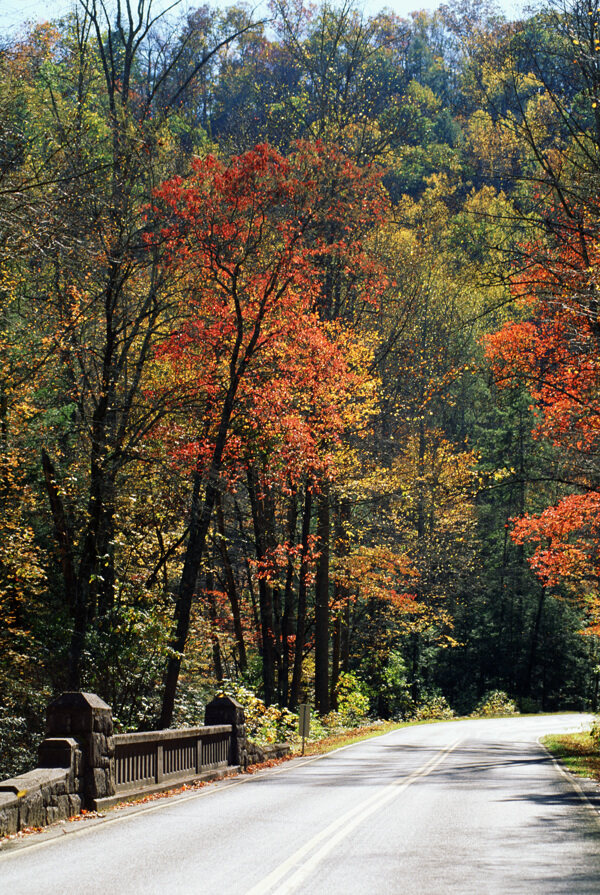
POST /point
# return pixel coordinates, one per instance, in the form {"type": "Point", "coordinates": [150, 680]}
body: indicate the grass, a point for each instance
{"type": "Point", "coordinates": [577, 751]}
{"type": "Point", "coordinates": [348, 737]}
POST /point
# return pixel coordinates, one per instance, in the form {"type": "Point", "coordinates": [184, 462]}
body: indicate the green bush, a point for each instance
{"type": "Point", "coordinates": [270, 724]}
{"type": "Point", "coordinates": [264, 724]}
{"type": "Point", "coordinates": [529, 706]}
{"type": "Point", "coordinates": [435, 708]}
{"type": "Point", "coordinates": [394, 690]}
{"type": "Point", "coordinates": [353, 702]}
{"type": "Point", "coordinates": [17, 754]}
{"type": "Point", "coordinates": [123, 663]}
{"type": "Point", "coordinates": [595, 731]}
{"type": "Point", "coordinates": [22, 715]}
{"type": "Point", "coordinates": [495, 704]}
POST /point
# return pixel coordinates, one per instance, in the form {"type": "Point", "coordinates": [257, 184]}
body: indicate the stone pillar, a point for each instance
{"type": "Point", "coordinates": [88, 719]}
{"type": "Point", "coordinates": [226, 710]}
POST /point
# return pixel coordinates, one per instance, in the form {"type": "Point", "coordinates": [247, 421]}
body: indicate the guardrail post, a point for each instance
{"type": "Point", "coordinates": [88, 719]}
{"type": "Point", "coordinates": [226, 710]}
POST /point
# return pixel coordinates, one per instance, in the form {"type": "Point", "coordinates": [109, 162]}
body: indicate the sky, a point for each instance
{"type": "Point", "coordinates": [13, 13]}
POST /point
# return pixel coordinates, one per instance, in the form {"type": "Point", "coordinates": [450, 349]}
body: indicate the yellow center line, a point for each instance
{"type": "Point", "coordinates": [303, 861]}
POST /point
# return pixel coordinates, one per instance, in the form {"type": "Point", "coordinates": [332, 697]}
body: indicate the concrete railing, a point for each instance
{"type": "Point", "coordinates": [83, 764]}
{"type": "Point", "coordinates": [155, 761]}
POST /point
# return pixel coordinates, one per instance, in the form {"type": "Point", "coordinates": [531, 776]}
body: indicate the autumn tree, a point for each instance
{"type": "Point", "coordinates": [88, 152]}
{"type": "Point", "coordinates": [247, 241]}
{"type": "Point", "coordinates": [552, 350]}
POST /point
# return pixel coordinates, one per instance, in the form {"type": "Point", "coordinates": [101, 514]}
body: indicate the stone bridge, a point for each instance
{"type": "Point", "coordinates": [83, 764]}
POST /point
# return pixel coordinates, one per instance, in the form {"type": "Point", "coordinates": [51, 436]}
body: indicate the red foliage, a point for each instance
{"type": "Point", "coordinates": [555, 352]}
{"type": "Point", "coordinates": [568, 535]}
{"type": "Point", "coordinates": [248, 245]}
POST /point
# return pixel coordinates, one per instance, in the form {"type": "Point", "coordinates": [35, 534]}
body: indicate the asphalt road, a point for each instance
{"type": "Point", "coordinates": [461, 807]}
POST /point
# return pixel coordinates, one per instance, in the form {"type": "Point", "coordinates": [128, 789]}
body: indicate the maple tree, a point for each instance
{"type": "Point", "coordinates": [554, 352]}
{"type": "Point", "coordinates": [247, 241]}
{"type": "Point", "coordinates": [85, 142]}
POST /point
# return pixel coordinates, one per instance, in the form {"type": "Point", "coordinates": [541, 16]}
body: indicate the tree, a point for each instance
{"type": "Point", "coordinates": [238, 236]}
{"type": "Point", "coordinates": [81, 166]}
{"type": "Point", "coordinates": [553, 351]}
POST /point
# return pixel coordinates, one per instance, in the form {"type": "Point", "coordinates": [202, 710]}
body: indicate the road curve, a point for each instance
{"type": "Point", "coordinates": [461, 807]}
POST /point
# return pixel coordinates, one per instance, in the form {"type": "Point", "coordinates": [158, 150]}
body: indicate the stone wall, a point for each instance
{"type": "Point", "coordinates": [51, 792]}
{"type": "Point", "coordinates": [74, 766]}
{"type": "Point", "coordinates": [258, 754]}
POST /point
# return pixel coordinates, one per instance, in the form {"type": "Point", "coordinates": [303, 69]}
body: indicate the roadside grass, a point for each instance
{"type": "Point", "coordinates": [348, 737]}
{"type": "Point", "coordinates": [358, 734]}
{"type": "Point", "coordinates": [577, 751]}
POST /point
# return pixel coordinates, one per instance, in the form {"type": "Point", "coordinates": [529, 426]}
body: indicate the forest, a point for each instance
{"type": "Point", "coordinates": [299, 369]}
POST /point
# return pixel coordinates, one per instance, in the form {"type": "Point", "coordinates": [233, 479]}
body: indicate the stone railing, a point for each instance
{"type": "Point", "coordinates": [51, 792]}
{"type": "Point", "coordinates": [83, 764]}
{"type": "Point", "coordinates": [155, 761]}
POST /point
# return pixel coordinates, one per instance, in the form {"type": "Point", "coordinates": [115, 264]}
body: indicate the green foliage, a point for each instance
{"type": "Point", "coordinates": [394, 688]}
{"type": "Point", "coordinates": [16, 746]}
{"type": "Point", "coordinates": [495, 704]}
{"type": "Point", "coordinates": [595, 732]}
{"type": "Point", "coordinates": [19, 739]}
{"type": "Point", "coordinates": [126, 652]}
{"type": "Point", "coordinates": [352, 699]}
{"type": "Point", "coordinates": [22, 723]}
{"type": "Point", "coordinates": [435, 708]}
{"type": "Point", "coordinates": [270, 724]}
{"type": "Point", "coordinates": [264, 724]}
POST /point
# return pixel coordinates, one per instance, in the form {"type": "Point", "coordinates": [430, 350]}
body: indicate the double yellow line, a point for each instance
{"type": "Point", "coordinates": [294, 871]}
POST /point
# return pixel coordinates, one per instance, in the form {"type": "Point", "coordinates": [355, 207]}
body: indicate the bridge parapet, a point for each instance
{"type": "Point", "coordinates": [160, 759]}
{"type": "Point", "coordinates": [82, 764]}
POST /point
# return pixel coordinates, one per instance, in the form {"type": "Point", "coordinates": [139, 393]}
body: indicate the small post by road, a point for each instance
{"type": "Point", "coordinates": [303, 722]}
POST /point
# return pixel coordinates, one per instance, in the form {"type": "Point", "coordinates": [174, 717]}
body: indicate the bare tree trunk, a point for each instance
{"type": "Point", "coordinates": [302, 594]}
{"type": "Point", "coordinates": [231, 588]}
{"type": "Point", "coordinates": [335, 659]}
{"type": "Point", "coordinates": [535, 633]}
{"type": "Point", "coordinates": [322, 606]}
{"type": "Point", "coordinates": [264, 596]}
{"type": "Point", "coordinates": [202, 505]}
{"type": "Point", "coordinates": [288, 603]}
{"type": "Point", "coordinates": [214, 637]}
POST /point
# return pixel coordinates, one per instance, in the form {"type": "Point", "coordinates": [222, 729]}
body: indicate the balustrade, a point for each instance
{"type": "Point", "coordinates": [146, 760]}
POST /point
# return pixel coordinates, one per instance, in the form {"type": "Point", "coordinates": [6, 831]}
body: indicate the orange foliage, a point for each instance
{"type": "Point", "coordinates": [554, 351]}
{"type": "Point", "coordinates": [247, 243]}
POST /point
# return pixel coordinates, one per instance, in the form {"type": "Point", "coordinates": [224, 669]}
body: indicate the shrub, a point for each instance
{"type": "Point", "coordinates": [395, 698]}
{"type": "Point", "coordinates": [595, 731]}
{"type": "Point", "coordinates": [16, 752]}
{"type": "Point", "coordinates": [496, 703]}
{"type": "Point", "coordinates": [435, 708]}
{"type": "Point", "coordinates": [353, 702]}
{"type": "Point", "coordinates": [529, 706]}
{"type": "Point", "coordinates": [123, 663]}
{"type": "Point", "coordinates": [264, 724]}
{"type": "Point", "coordinates": [22, 717]}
